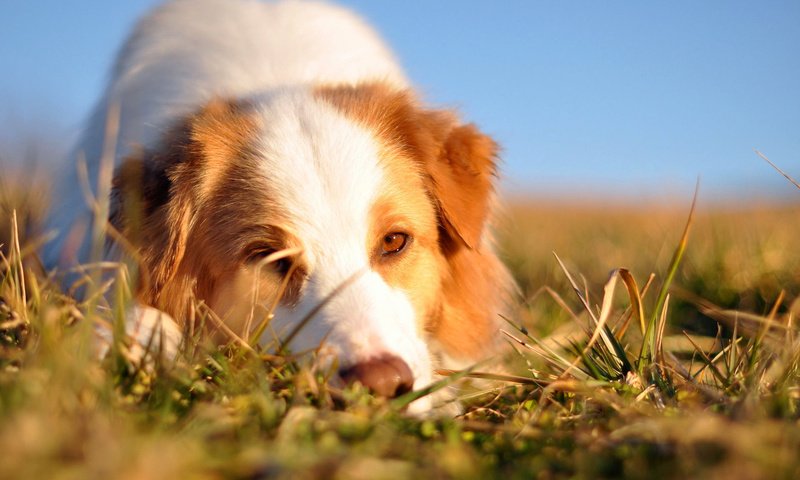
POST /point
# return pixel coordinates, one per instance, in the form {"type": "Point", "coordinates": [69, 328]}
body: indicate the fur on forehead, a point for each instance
{"type": "Point", "coordinates": [458, 160]}
{"type": "Point", "coordinates": [322, 167]}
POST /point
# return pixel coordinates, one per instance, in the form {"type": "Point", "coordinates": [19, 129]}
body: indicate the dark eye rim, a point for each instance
{"type": "Point", "coordinates": [407, 239]}
{"type": "Point", "coordinates": [258, 254]}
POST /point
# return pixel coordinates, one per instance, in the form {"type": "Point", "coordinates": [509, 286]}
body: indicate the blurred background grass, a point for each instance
{"type": "Point", "coordinates": [740, 255]}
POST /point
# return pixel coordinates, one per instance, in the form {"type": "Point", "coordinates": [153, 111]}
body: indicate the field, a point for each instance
{"type": "Point", "coordinates": [655, 351]}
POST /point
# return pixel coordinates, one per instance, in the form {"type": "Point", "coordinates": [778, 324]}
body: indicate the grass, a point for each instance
{"type": "Point", "coordinates": [682, 361]}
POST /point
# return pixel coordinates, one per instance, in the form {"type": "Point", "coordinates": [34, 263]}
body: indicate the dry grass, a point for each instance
{"type": "Point", "coordinates": [739, 256]}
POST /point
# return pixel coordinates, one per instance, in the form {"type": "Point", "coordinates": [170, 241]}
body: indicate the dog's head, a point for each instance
{"type": "Point", "coordinates": [379, 206]}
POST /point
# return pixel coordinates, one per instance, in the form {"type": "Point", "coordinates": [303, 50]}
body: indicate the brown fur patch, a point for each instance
{"type": "Point", "coordinates": [405, 207]}
{"type": "Point", "coordinates": [457, 165]}
{"type": "Point", "coordinates": [187, 208]}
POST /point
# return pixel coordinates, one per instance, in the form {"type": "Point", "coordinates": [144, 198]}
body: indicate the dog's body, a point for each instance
{"type": "Point", "coordinates": [242, 129]}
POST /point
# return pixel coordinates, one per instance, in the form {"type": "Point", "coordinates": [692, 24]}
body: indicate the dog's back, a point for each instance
{"type": "Point", "coordinates": [189, 51]}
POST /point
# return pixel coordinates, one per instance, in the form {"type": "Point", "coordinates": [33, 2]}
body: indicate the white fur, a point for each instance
{"type": "Point", "coordinates": [152, 332]}
{"type": "Point", "coordinates": [327, 191]}
{"type": "Point", "coordinates": [190, 51]}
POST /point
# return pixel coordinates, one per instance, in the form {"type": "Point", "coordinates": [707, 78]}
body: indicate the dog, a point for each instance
{"type": "Point", "coordinates": [276, 154]}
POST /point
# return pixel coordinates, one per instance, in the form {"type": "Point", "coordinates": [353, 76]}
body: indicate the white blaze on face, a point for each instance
{"type": "Point", "coordinates": [324, 172]}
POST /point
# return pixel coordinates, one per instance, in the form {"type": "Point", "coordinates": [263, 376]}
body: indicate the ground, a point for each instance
{"type": "Point", "coordinates": [640, 349]}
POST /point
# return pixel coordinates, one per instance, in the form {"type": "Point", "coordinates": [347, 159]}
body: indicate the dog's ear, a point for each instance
{"type": "Point", "coordinates": [152, 213]}
{"type": "Point", "coordinates": [156, 194]}
{"type": "Point", "coordinates": [461, 175]}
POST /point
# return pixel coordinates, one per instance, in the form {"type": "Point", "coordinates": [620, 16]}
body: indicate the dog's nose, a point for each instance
{"type": "Point", "coordinates": [387, 376]}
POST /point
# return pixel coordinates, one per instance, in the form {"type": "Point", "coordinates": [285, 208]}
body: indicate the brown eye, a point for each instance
{"type": "Point", "coordinates": [394, 243]}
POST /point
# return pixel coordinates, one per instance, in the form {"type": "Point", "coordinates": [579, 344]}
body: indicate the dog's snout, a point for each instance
{"type": "Point", "coordinates": [387, 376]}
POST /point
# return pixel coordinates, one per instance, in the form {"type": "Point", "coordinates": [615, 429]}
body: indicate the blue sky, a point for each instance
{"type": "Point", "coordinates": [619, 99]}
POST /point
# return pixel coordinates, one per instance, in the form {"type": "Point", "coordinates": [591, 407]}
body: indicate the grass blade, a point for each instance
{"type": "Point", "coordinates": [648, 344]}
{"type": "Point", "coordinates": [786, 175]}
{"type": "Point", "coordinates": [634, 295]}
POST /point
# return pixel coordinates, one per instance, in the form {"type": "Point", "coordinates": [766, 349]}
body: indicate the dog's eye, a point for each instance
{"type": "Point", "coordinates": [280, 265]}
{"type": "Point", "coordinates": [394, 243]}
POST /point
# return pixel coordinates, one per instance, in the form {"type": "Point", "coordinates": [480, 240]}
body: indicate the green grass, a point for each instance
{"type": "Point", "coordinates": [609, 375]}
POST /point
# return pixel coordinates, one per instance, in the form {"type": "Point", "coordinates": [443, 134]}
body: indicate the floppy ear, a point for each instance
{"type": "Point", "coordinates": [153, 214]}
{"type": "Point", "coordinates": [155, 195]}
{"type": "Point", "coordinates": [461, 179]}
{"type": "Point", "coordinates": [475, 289]}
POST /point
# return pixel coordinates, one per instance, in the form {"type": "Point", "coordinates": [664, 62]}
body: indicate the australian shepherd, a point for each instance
{"type": "Point", "coordinates": [272, 159]}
